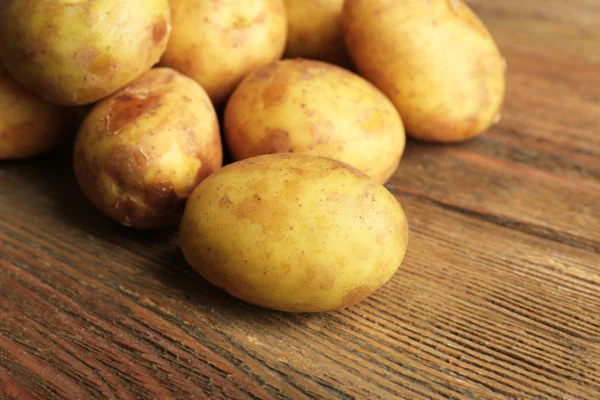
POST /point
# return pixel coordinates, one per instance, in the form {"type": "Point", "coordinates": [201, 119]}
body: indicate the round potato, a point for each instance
{"type": "Point", "coordinates": [434, 59]}
{"type": "Point", "coordinates": [216, 43]}
{"type": "Point", "coordinates": [76, 52]}
{"type": "Point", "coordinates": [315, 31]}
{"type": "Point", "coordinates": [311, 107]}
{"type": "Point", "coordinates": [294, 232]}
{"type": "Point", "coordinates": [28, 125]}
{"type": "Point", "coordinates": [141, 152]}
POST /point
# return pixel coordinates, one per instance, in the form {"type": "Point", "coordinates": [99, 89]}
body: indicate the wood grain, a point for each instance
{"type": "Point", "coordinates": [499, 295]}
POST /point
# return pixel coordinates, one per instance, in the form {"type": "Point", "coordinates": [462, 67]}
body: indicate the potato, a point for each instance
{"type": "Point", "coordinates": [141, 152]}
{"type": "Point", "coordinates": [76, 52]}
{"type": "Point", "coordinates": [434, 59]}
{"type": "Point", "coordinates": [216, 43]}
{"type": "Point", "coordinates": [28, 125]}
{"type": "Point", "coordinates": [294, 232]}
{"type": "Point", "coordinates": [315, 31]}
{"type": "Point", "coordinates": [311, 107]}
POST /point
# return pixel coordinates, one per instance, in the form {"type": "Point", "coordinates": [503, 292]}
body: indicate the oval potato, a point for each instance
{"type": "Point", "coordinates": [434, 59]}
{"type": "Point", "coordinates": [311, 107]}
{"type": "Point", "coordinates": [294, 232]}
{"type": "Point", "coordinates": [315, 31]}
{"type": "Point", "coordinates": [75, 52]}
{"type": "Point", "coordinates": [28, 125]}
{"type": "Point", "coordinates": [140, 153]}
{"type": "Point", "coordinates": [216, 43]}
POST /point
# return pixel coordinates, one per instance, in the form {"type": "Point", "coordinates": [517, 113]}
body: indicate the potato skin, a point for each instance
{"type": "Point", "coordinates": [311, 107]}
{"type": "Point", "coordinates": [141, 152]}
{"type": "Point", "coordinates": [28, 125]}
{"type": "Point", "coordinates": [315, 31]}
{"type": "Point", "coordinates": [76, 52]}
{"type": "Point", "coordinates": [434, 59]}
{"type": "Point", "coordinates": [216, 43]}
{"type": "Point", "coordinates": [294, 232]}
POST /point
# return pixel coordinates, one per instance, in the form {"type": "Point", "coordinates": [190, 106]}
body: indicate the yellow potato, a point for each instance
{"type": "Point", "coordinates": [315, 30]}
{"type": "Point", "coordinates": [294, 232]}
{"type": "Point", "coordinates": [76, 52]}
{"type": "Point", "coordinates": [141, 152]}
{"type": "Point", "coordinates": [434, 59]}
{"type": "Point", "coordinates": [28, 125]}
{"type": "Point", "coordinates": [311, 107]}
{"type": "Point", "coordinates": [216, 43]}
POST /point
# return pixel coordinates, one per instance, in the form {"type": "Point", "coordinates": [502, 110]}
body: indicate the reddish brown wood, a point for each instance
{"type": "Point", "coordinates": [499, 296]}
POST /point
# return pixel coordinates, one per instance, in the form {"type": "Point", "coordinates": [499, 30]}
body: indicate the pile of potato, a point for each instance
{"type": "Point", "coordinates": [301, 221]}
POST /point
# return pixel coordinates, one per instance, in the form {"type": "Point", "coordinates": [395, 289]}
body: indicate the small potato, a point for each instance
{"type": "Point", "coordinates": [311, 107]}
{"type": "Point", "coordinates": [434, 59]}
{"type": "Point", "coordinates": [315, 31]}
{"type": "Point", "coordinates": [28, 125]}
{"type": "Point", "coordinates": [216, 43]}
{"type": "Point", "coordinates": [141, 152]}
{"type": "Point", "coordinates": [75, 52]}
{"type": "Point", "coordinates": [294, 232]}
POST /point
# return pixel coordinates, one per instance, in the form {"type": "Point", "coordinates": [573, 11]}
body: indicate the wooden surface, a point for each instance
{"type": "Point", "coordinates": [499, 295]}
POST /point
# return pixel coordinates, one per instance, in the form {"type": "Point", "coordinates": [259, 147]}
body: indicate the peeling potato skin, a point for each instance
{"type": "Point", "coordinates": [216, 43]}
{"type": "Point", "coordinates": [434, 59]}
{"type": "Point", "coordinates": [75, 52]}
{"type": "Point", "coordinates": [311, 107]}
{"type": "Point", "coordinates": [28, 125]}
{"type": "Point", "coordinates": [140, 153]}
{"type": "Point", "coordinates": [315, 31]}
{"type": "Point", "coordinates": [294, 232]}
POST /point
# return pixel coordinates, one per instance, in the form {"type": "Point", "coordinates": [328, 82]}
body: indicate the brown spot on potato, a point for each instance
{"type": "Point", "coordinates": [159, 31]}
{"type": "Point", "coordinates": [356, 295]}
{"type": "Point", "coordinates": [127, 210]}
{"type": "Point", "coordinates": [141, 158]}
{"type": "Point", "coordinates": [121, 165]}
{"type": "Point", "coordinates": [274, 94]}
{"type": "Point", "coordinates": [126, 108]}
{"type": "Point", "coordinates": [162, 195]}
{"type": "Point", "coordinates": [271, 216]}
{"type": "Point", "coordinates": [276, 141]}
{"type": "Point", "coordinates": [328, 279]}
{"type": "Point", "coordinates": [94, 62]}
{"type": "Point", "coordinates": [225, 201]}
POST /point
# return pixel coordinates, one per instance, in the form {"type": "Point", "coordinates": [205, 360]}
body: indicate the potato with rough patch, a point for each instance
{"type": "Point", "coordinates": [216, 43]}
{"type": "Point", "coordinates": [305, 106]}
{"type": "Point", "coordinates": [75, 52]}
{"type": "Point", "coordinates": [28, 125]}
{"type": "Point", "coordinates": [315, 31]}
{"type": "Point", "coordinates": [294, 232]}
{"type": "Point", "coordinates": [434, 59]}
{"type": "Point", "coordinates": [141, 152]}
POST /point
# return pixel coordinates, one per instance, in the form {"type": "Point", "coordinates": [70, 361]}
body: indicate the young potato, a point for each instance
{"type": "Point", "coordinates": [28, 125]}
{"type": "Point", "coordinates": [311, 107]}
{"type": "Point", "coordinates": [434, 59]}
{"type": "Point", "coordinates": [75, 52]}
{"type": "Point", "coordinates": [315, 31]}
{"type": "Point", "coordinates": [216, 43]}
{"type": "Point", "coordinates": [141, 152]}
{"type": "Point", "coordinates": [294, 232]}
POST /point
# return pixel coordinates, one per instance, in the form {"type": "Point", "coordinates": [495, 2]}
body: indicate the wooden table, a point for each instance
{"type": "Point", "coordinates": [499, 295]}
